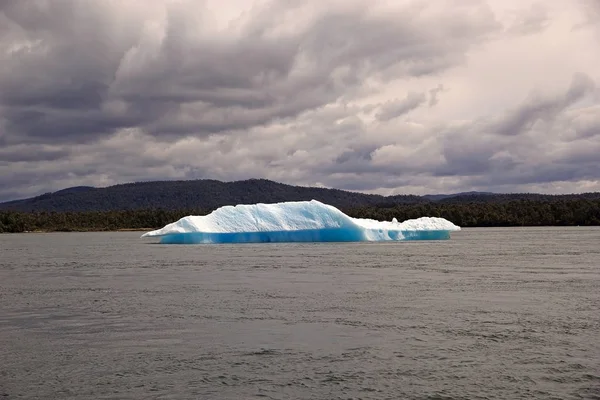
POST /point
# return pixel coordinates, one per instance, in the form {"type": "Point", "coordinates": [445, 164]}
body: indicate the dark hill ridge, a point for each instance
{"type": "Point", "coordinates": [203, 194]}
{"type": "Point", "coordinates": [497, 198]}
{"type": "Point", "coordinates": [209, 194]}
{"type": "Point", "coordinates": [438, 197]}
{"type": "Point", "coordinates": [75, 189]}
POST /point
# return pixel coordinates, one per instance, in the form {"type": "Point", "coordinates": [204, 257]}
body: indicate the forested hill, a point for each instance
{"type": "Point", "coordinates": [210, 194]}
{"type": "Point", "coordinates": [499, 198]}
{"type": "Point", "coordinates": [194, 194]}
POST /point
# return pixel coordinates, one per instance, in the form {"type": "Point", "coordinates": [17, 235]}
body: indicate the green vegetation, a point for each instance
{"type": "Point", "coordinates": [558, 212]}
{"type": "Point", "coordinates": [18, 221]}
{"type": "Point", "coordinates": [562, 211]}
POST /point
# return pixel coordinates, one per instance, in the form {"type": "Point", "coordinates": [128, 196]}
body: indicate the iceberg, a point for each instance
{"type": "Point", "coordinates": [297, 221]}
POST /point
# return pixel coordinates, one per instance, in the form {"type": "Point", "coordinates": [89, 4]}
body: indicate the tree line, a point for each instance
{"type": "Point", "coordinates": [81, 221]}
{"type": "Point", "coordinates": [563, 212]}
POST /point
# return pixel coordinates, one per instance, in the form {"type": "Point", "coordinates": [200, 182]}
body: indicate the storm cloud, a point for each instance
{"type": "Point", "coordinates": [412, 97]}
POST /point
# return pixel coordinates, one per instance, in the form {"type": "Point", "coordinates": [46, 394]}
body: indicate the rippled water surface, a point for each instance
{"type": "Point", "coordinates": [490, 314]}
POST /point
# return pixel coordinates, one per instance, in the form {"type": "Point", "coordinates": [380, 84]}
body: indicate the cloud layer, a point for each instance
{"type": "Point", "coordinates": [398, 97]}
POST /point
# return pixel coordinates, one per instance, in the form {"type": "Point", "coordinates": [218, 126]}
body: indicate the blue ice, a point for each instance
{"type": "Point", "coordinates": [300, 221]}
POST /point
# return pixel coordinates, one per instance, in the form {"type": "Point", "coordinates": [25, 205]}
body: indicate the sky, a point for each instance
{"type": "Point", "coordinates": [388, 97]}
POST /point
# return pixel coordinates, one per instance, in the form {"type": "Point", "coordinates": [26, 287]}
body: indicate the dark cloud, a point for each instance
{"type": "Point", "coordinates": [398, 107]}
{"type": "Point", "coordinates": [360, 155]}
{"type": "Point", "coordinates": [547, 173]}
{"type": "Point", "coordinates": [587, 125]}
{"type": "Point", "coordinates": [32, 153]}
{"type": "Point", "coordinates": [77, 71]}
{"type": "Point", "coordinates": [528, 144]}
{"type": "Point", "coordinates": [102, 92]}
{"type": "Point", "coordinates": [434, 93]}
{"type": "Point", "coordinates": [536, 108]}
{"type": "Point", "coordinates": [58, 61]}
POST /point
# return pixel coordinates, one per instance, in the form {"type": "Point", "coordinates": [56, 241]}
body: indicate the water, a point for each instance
{"type": "Point", "coordinates": [490, 314]}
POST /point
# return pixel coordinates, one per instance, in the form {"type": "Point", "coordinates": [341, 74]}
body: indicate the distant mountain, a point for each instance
{"type": "Point", "coordinates": [438, 197]}
{"type": "Point", "coordinates": [75, 189]}
{"type": "Point", "coordinates": [209, 194]}
{"type": "Point", "coordinates": [508, 197]}
{"type": "Point", "coordinates": [194, 194]}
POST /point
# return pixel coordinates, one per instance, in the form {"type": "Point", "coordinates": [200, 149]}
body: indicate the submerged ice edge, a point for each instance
{"type": "Point", "coordinates": [304, 221]}
{"type": "Point", "coordinates": [321, 235]}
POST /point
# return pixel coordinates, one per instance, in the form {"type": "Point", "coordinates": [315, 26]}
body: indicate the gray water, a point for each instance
{"type": "Point", "coordinates": [490, 314]}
